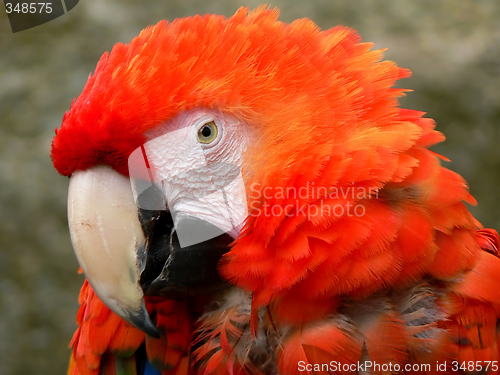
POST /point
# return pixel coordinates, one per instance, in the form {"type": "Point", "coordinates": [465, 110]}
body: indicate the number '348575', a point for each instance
{"type": "Point", "coordinates": [28, 7]}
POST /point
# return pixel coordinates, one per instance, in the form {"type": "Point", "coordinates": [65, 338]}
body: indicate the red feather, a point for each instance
{"type": "Point", "coordinates": [408, 277]}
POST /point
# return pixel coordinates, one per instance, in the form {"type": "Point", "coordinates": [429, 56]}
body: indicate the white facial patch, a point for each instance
{"type": "Point", "coordinates": [175, 171]}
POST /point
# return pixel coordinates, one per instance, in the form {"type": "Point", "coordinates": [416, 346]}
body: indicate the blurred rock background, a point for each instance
{"type": "Point", "coordinates": [452, 47]}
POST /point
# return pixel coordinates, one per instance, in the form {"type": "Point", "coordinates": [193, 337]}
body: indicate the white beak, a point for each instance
{"type": "Point", "coordinates": [109, 241]}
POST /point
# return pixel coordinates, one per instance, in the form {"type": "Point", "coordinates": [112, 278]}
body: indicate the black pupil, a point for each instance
{"type": "Point", "coordinates": [206, 131]}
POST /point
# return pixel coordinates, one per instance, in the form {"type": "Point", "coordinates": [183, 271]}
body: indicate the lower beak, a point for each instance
{"type": "Point", "coordinates": [126, 252]}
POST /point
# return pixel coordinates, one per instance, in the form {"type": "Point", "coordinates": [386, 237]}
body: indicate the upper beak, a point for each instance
{"type": "Point", "coordinates": [109, 241]}
{"type": "Point", "coordinates": [126, 251]}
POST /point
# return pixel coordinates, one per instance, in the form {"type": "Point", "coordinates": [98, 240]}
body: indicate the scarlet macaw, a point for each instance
{"type": "Point", "coordinates": [329, 234]}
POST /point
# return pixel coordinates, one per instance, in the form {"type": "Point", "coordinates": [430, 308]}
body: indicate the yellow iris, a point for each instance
{"type": "Point", "coordinates": [207, 133]}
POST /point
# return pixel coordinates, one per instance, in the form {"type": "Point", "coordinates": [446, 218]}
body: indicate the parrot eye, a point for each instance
{"type": "Point", "coordinates": [207, 133]}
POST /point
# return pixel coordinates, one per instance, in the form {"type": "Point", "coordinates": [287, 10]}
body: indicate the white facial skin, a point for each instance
{"type": "Point", "coordinates": [202, 180]}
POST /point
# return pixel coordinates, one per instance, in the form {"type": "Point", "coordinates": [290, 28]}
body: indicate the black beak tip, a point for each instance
{"type": "Point", "coordinates": [142, 321]}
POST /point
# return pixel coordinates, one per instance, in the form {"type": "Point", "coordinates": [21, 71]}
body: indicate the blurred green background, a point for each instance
{"type": "Point", "coordinates": [452, 47]}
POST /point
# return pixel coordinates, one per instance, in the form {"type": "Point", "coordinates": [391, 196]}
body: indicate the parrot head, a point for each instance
{"type": "Point", "coordinates": [185, 146]}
